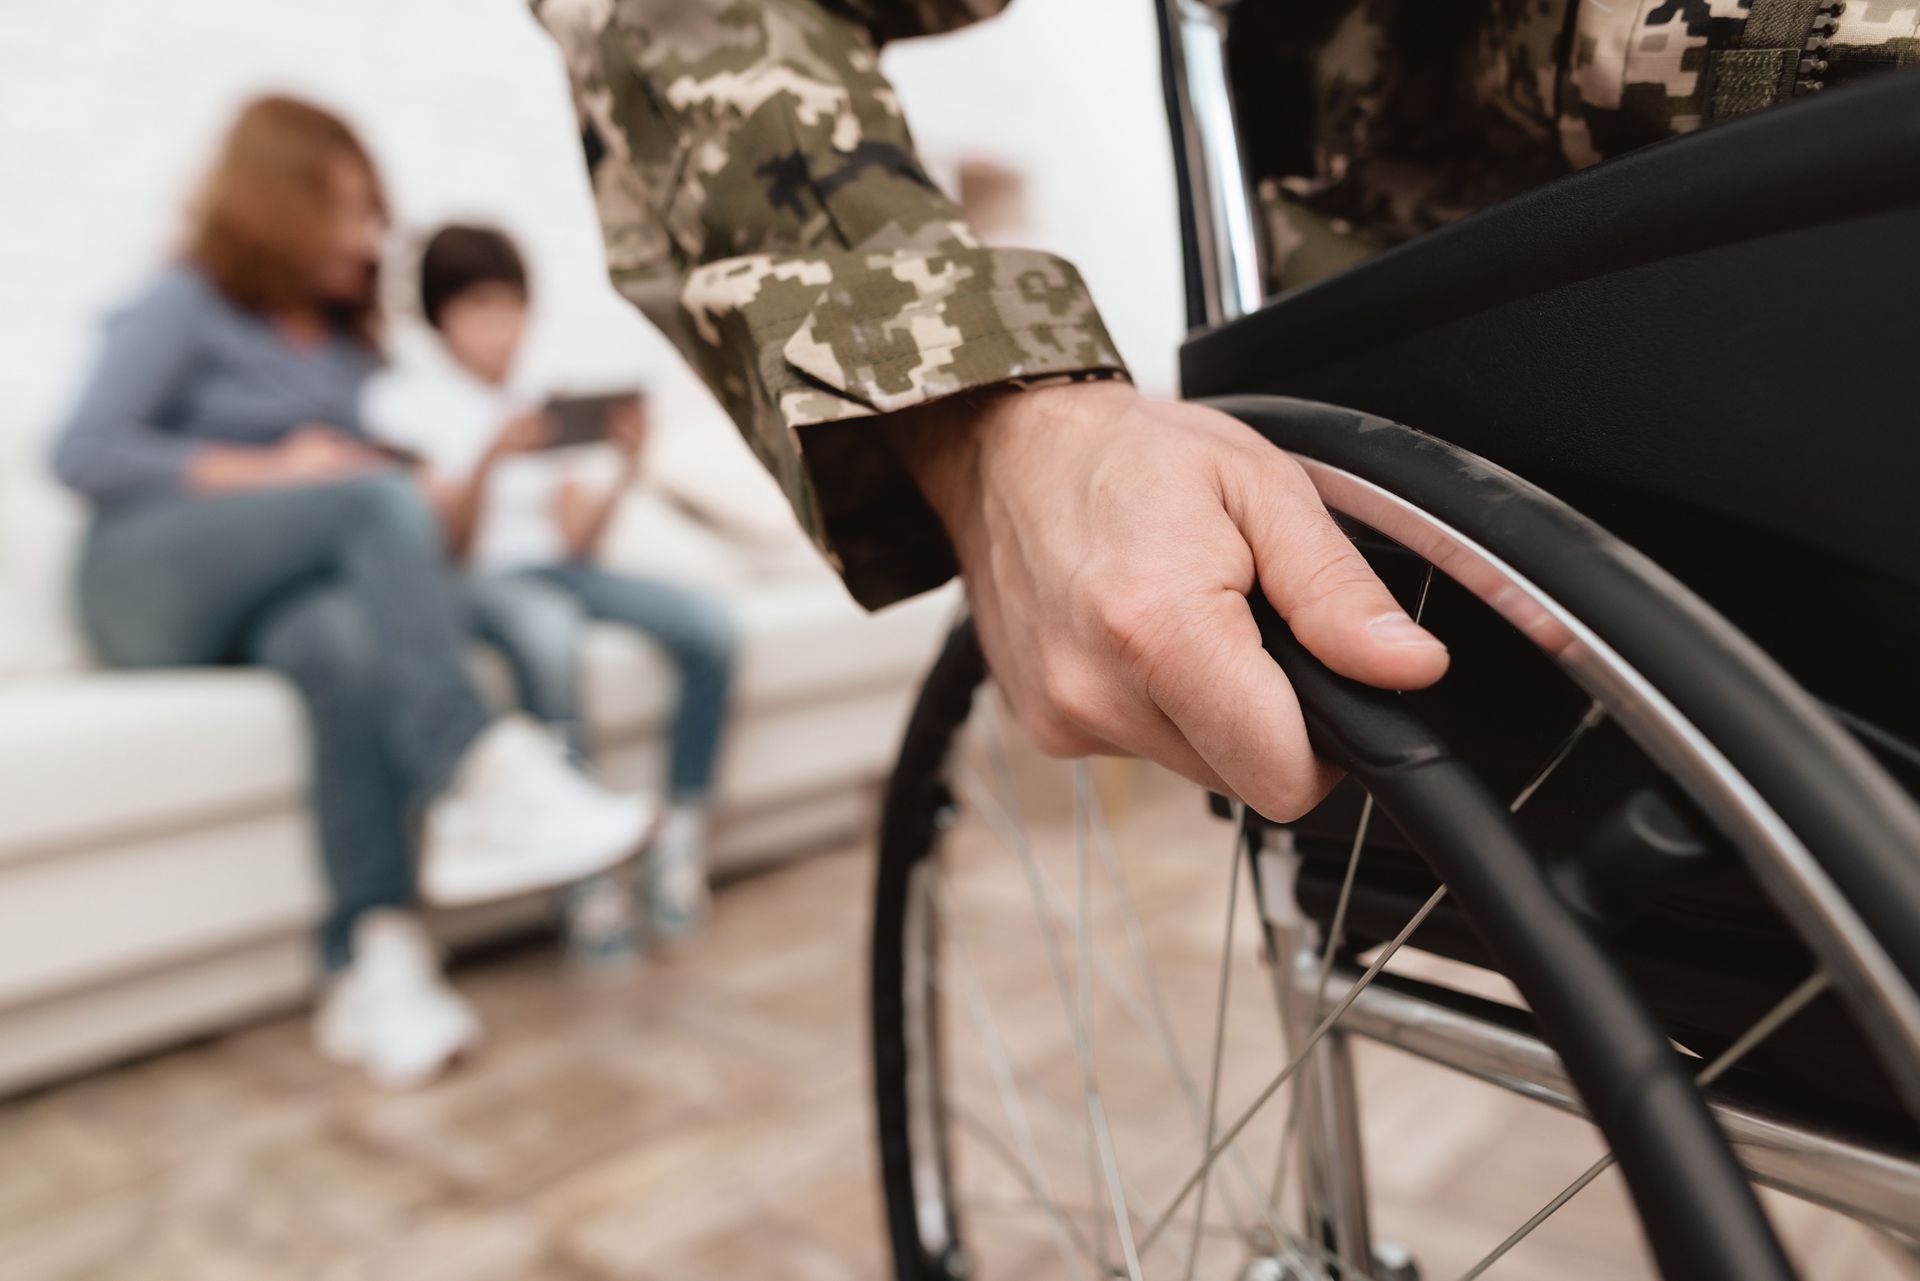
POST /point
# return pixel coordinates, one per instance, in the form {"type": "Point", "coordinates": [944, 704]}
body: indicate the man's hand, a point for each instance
{"type": "Point", "coordinates": [1109, 543]}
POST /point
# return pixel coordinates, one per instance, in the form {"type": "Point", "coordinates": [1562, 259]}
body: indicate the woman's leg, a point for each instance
{"type": "Point", "coordinates": [697, 630]}
{"type": "Point", "coordinates": [322, 640]}
{"type": "Point", "coordinates": [386, 1009]}
{"type": "Point", "coordinates": [536, 625]}
{"type": "Point", "coordinates": [181, 580]}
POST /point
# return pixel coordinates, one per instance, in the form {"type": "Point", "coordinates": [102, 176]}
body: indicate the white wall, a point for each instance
{"type": "Point", "coordinates": [1068, 92]}
{"type": "Point", "coordinates": [109, 109]}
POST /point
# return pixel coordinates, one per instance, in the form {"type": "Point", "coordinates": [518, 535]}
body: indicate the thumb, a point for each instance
{"type": "Point", "coordinates": [1324, 588]}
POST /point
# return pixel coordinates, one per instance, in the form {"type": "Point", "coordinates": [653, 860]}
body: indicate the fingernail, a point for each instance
{"type": "Point", "coordinates": [1397, 629]}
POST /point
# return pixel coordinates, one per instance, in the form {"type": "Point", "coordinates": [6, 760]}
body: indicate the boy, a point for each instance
{"type": "Point", "coordinates": [526, 525]}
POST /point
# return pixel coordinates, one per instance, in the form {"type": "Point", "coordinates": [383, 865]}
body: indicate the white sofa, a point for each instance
{"type": "Point", "coordinates": [158, 878]}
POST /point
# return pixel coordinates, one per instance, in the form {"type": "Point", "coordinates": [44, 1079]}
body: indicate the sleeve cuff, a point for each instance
{"type": "Point", "coordinates": [805, 348]}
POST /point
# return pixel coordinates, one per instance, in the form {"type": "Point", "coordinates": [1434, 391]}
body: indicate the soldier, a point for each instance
{"type": "Point", "coordinates": [931, 404]}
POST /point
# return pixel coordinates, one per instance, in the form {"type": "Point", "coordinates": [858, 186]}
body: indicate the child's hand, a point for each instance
{"type": "Point", "coordinates": [441, 490]}
{"type": "Point", "coordinates": [627, 429]}
{"type": "Point", "coordinates": [577, 510]}
{"type": "Point", "coordinates": [521, 434]}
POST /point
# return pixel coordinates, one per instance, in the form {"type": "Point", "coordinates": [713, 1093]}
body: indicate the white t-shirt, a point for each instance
{"type": "Point", "coordinates": [446, 416]}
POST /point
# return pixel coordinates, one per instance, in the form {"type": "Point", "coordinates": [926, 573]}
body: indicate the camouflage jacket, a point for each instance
{"type": "Point", "coordinates": [761, 199]}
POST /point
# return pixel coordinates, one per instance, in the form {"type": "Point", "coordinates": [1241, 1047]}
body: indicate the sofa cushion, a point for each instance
{"type": "Point", "coordinates": [103, 755]}
{"type": "Point", "coordinates": [800, 642]}
{"type": "Point", "coordinates": [90, 756]}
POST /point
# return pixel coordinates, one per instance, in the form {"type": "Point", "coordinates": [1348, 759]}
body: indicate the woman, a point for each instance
{"type": "Point", "coordinates": [241, 516]}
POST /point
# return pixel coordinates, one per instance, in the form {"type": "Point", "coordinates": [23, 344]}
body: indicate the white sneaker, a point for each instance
{"type": "Point", "coordinates": [519, 818]}
{"type": "Point", "coordinates": [675, 887]}
{"type": "Point", "coordinates": [598, 927]}
{"type": "Point", "coordinates": [390, 1013]}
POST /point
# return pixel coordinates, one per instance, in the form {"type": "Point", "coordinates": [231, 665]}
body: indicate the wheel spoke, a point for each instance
{"type": "Point", "coordinates": [1239, 817]}
{"type": "Point", "coordinates": [1051, 1108]}
{"type": "Point", "coordinates": [1285, 1074]}
{"type": "Point", "coordinates": [1155, 1019]}
{"type": "Point", "coordinates": [1590, 719]}
{"type": "Point", "coordinates": [982, 798]}
{"type": "Point", "coordinates": [1012, 1207]}
{"type": "Point", "coordinates": [1151, 1015]}
{"type": "Point", "coordinates": [1000, 1066]}
{"type": "Point", "coordinates": [1426, 586]}
{"type": "Point", "coordinates": [1083, 936]}
{"type": "Point", "coordinates": [1336, 932]}
{"type": "Point", "coordinates": [1770, 1022]}
{"type": "Point", "coordinates": [1076, 999]}
{"type": "Point", "coordinates": [1066, 1218]}
{"type": "Point", "coordinates": [1044, 915]}
{"type": "Point", "coordinates": [1336, 935]}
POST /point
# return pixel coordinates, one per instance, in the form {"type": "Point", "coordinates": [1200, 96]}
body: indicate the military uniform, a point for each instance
{"type": "Point", "coordinates": [761, 199]}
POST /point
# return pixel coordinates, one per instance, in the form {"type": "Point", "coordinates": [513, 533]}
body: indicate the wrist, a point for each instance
{"type": "Point", "coordinates": [951, 446]}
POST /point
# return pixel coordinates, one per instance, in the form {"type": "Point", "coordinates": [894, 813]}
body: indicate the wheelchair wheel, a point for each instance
{"type": "Point", "coordinates": [1615, 862]}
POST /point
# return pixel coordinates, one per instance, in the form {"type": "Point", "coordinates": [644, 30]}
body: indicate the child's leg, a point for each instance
{"type": "Point", "coordinates": [697, 631]}
{"type": "Point", "coordinates": [537, 626]}
{"type": "Point", "coordinates": [694, 627]}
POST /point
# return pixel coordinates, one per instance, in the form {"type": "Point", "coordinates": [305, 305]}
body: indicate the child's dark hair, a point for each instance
{"type": "Point", "coordinates": [458, 258]}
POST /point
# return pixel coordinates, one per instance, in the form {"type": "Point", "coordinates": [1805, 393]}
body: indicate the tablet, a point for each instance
{"type": "Point", "coordinates": [583, 420]}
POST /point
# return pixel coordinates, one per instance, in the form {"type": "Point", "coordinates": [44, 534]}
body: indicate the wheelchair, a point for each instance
{"type": "Point", "coordinates": [1649, 855]}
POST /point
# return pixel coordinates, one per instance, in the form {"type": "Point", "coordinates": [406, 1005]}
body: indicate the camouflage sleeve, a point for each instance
{"type": "Point", "coordinates": [761, 200]}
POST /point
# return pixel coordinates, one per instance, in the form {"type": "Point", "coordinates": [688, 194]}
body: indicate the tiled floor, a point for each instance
{"type": "Point", "coordinates": [709, 1118]}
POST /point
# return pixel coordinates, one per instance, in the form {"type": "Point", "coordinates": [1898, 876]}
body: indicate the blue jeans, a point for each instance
{"type": "Point", "coordinates": [536, 617]}
{"type": "Point", "coordinates": [343, 588]}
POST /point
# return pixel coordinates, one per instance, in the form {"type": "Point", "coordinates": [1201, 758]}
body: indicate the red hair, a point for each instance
{"type": "Point", "coordinates": [262, 214]}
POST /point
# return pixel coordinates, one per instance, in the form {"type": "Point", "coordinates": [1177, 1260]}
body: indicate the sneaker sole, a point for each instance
{"type": "Point", "coordinates": [469, 890]}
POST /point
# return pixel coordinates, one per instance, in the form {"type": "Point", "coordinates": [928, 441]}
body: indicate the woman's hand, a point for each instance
{"type": "Point", "coordinates": [1109, 543]}
{"type": "Point", "coordinates": [316, 453]}
{"type": "Point", "coordinates": [313, 454]}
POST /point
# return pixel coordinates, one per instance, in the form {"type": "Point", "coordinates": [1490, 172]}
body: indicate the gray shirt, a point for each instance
{"type": "Point", "coordinates": [182, 367]}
